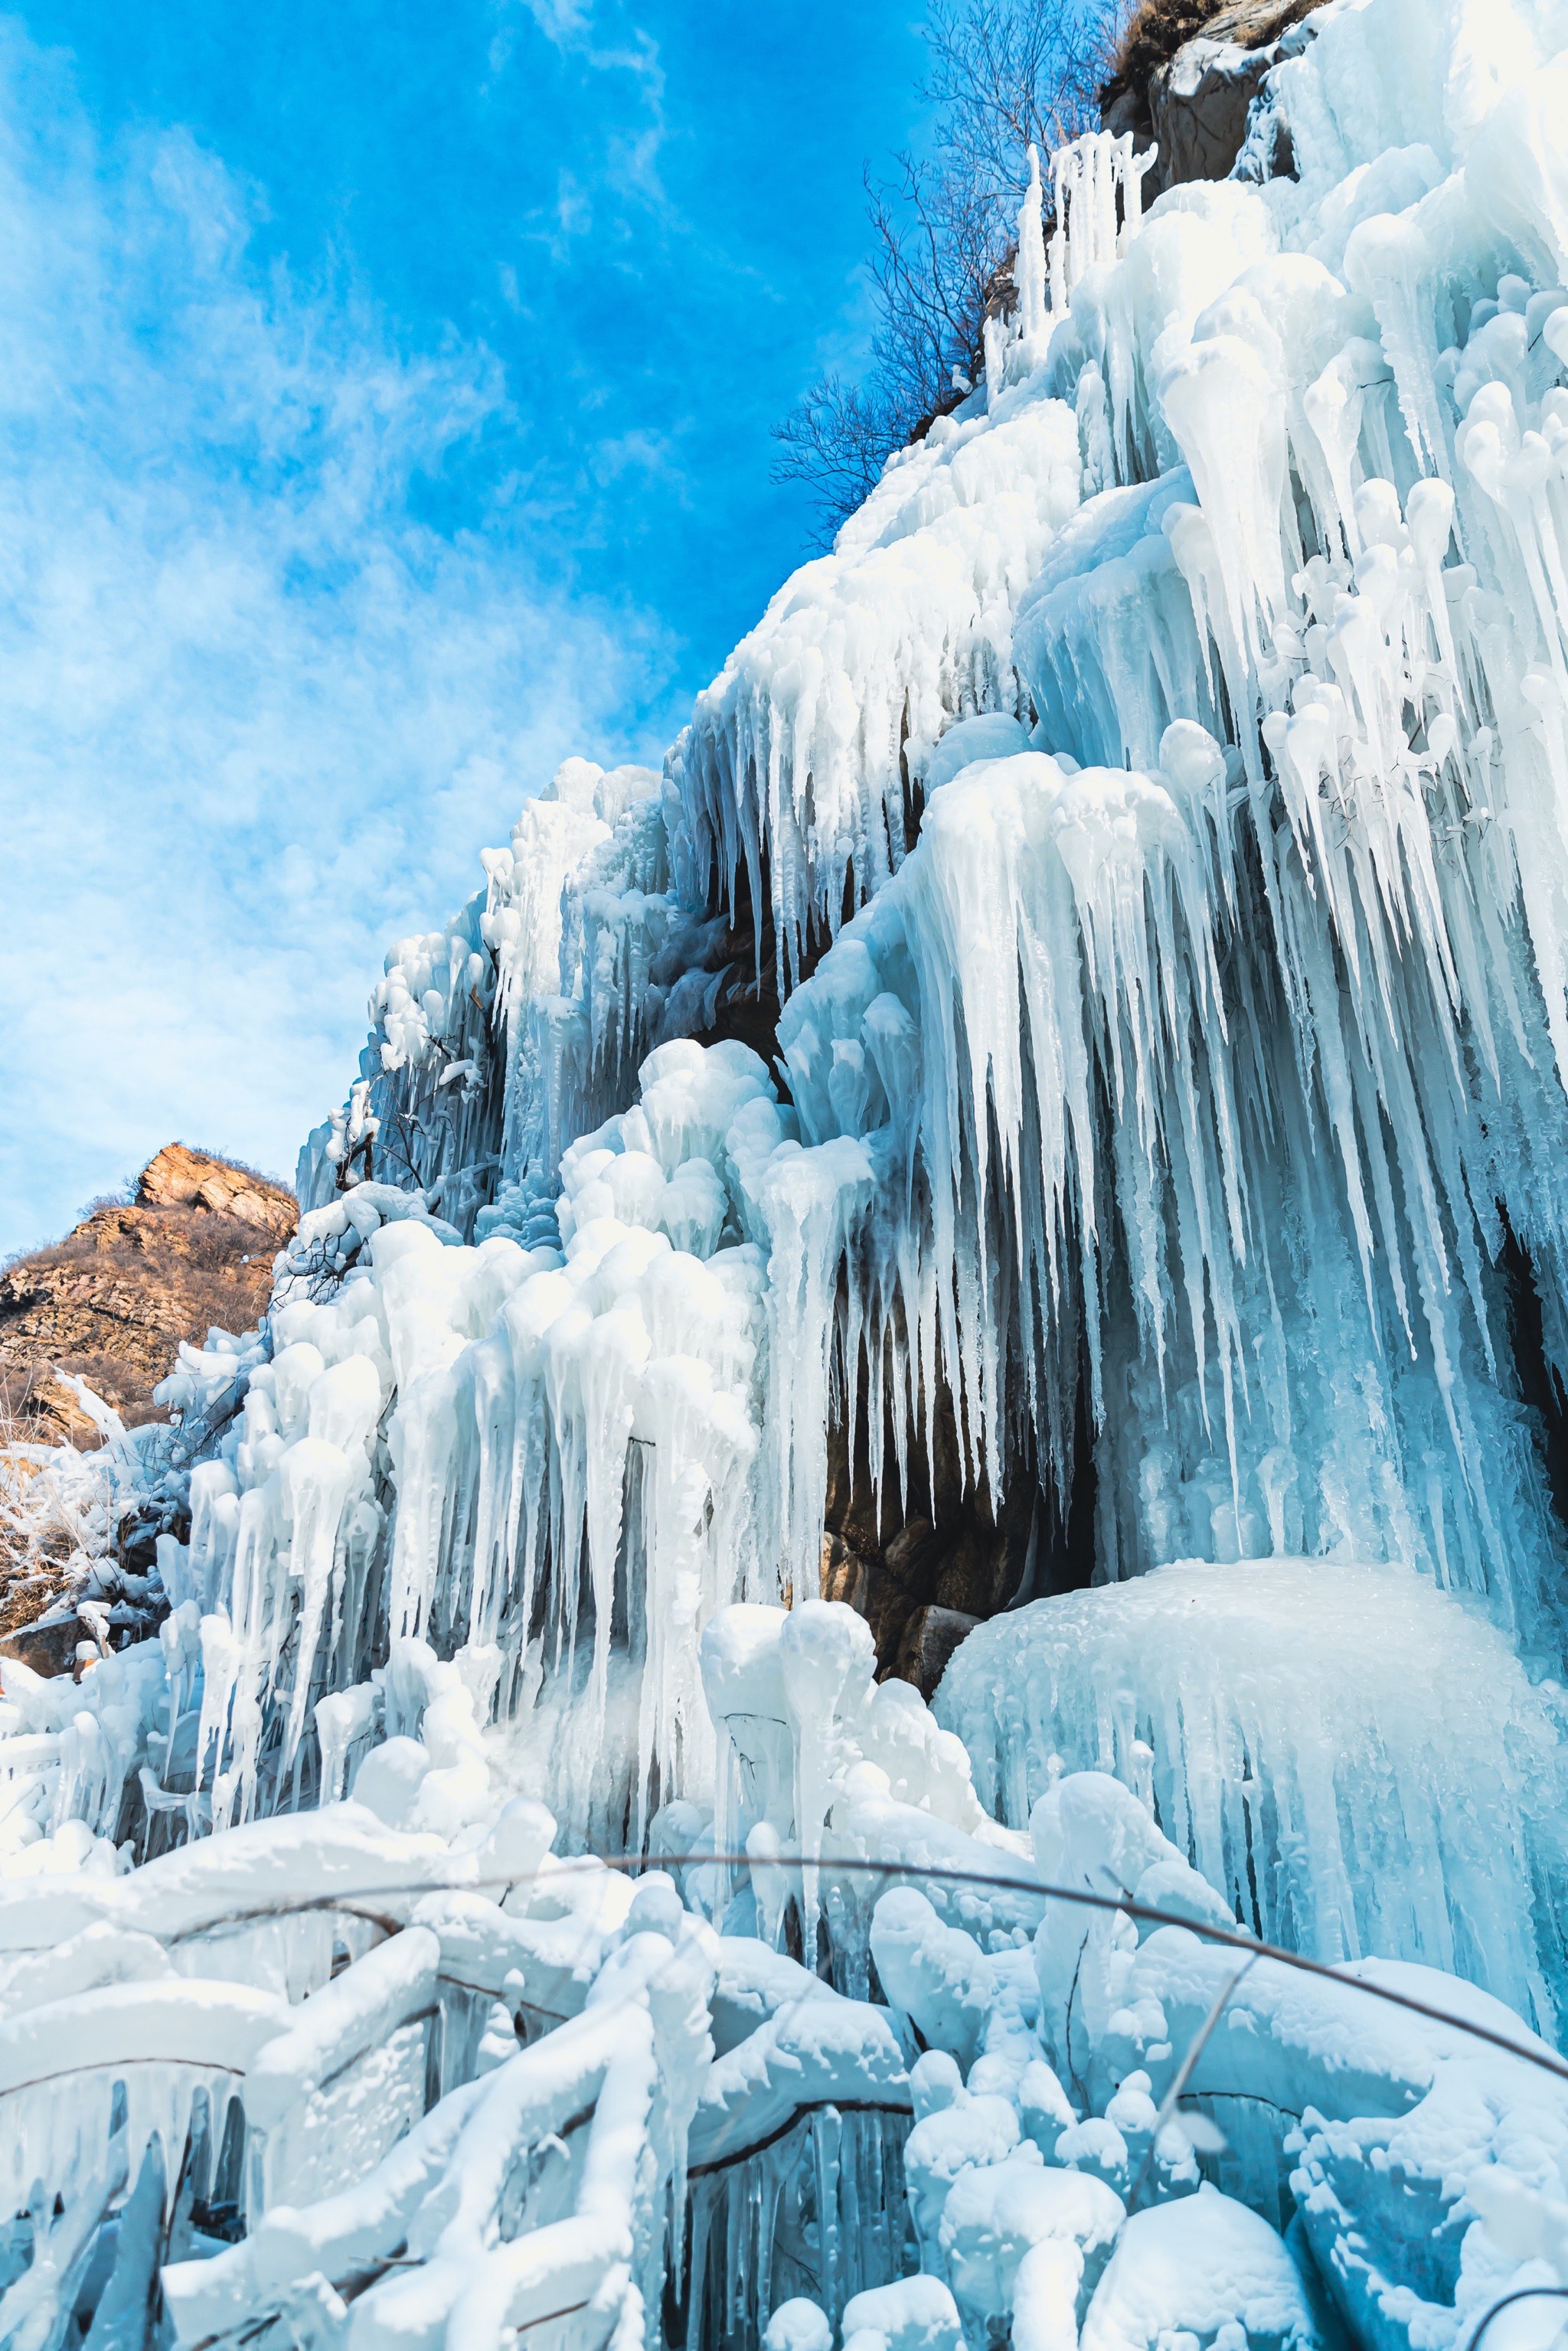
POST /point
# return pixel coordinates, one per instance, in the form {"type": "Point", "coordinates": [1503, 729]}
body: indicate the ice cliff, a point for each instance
{"type": "Point", "coordinates": [1052, 1108]}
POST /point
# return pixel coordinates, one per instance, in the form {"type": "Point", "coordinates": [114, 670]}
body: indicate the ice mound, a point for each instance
{"type": "Point", "coordinates": [1358, 1761]}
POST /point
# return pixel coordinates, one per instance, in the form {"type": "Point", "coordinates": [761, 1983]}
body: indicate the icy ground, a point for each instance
{"type": "Point", "coordinates": [1141, 848]}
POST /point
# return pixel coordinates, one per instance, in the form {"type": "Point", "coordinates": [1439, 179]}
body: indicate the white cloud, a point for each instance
{"type": "Point", "coordinates": [256, 717]}
{"type": "Point", "coordinates": [560, 20]}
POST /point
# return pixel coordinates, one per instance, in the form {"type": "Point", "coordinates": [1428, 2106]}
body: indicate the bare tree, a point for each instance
{"type": "Point", "coordinates": [1010, 77]}
{"type": "Point", "coordinates": [1003, 75]}
{"type": "Point", "coordinates": [835, 440]}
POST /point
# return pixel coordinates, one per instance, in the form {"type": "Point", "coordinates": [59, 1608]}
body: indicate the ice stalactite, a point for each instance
{"type": "Point", "coordinates": [818, 2214]}
{"type": "Point", "coordinates": [499, 1040]}
{"type": "Point", "coordinates": [550, 1461]}
{"type": "Point", "coordinates": [1096, 214]}
{"type": "Point", "coordinates": [1339, 881]}
{"type": "Point", "coordinates": [1140, 1099]}
{"type": "Point", "coordinates": [799, 767]}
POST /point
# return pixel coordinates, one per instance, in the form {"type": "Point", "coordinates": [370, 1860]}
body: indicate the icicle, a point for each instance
{"type": "Point", "coordinates": [1028, 269]}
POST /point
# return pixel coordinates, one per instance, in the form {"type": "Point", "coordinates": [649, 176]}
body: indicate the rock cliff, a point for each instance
{"type": "Point", "coordinates": [112, 1300]}
{"type": "Point", "coordinates": [1186, 75]}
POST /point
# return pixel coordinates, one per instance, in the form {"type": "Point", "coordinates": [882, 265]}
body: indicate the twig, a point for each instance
{"type": "Point", "coordinates": [1545, 2059]}
{"type": "Point", "coordinates": [1184, 2073]}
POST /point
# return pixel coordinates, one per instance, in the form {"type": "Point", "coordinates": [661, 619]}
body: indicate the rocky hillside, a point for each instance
{"type": "Point", "coordinates": [112, 1300]}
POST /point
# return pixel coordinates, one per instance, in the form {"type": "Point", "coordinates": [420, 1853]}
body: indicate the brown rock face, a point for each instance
{"type": "Point", "coordinates": [929, 1640]}
{"type": "Point", "coordinates": [1186, 73]}
{"type": "Point", "coordinates": [925, 1573]}
{"type": "Point", "coordinates": [179, 1178]}
{"type": "Point", "coordinates": [112, 1300]}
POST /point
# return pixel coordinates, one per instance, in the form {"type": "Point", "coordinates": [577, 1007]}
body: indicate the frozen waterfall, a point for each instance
{"type": "Point", "coordinates": [1066, 1068]}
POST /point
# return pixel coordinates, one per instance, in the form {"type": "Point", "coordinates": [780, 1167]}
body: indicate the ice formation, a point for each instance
{"type": "Point", "coordinates": [1079, 1022]}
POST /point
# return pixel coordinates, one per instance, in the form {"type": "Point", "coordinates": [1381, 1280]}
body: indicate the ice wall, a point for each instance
{"type": "Point", "coordinates": [1220, 1110]}
{"type": "Point", "coordinates": [1259, 1034]}
{"type": "Point", "coordinates": [1178, 649]}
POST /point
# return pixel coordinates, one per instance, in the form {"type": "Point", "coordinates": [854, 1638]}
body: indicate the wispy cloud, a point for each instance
{"type": "Point", "coordinates": [255, 715]}
{"type": "Point", "coordinates": [560, 21]}
{"type": "Point", "coordinates": [596, 41]}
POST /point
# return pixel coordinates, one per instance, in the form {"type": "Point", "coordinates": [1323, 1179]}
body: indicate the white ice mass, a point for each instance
{"type": "Point", "coordinates": [1071, 1055]}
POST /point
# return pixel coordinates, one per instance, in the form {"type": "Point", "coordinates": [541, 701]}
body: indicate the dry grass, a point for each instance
{"type": "Point", "coordinates": [121, 1237]}
{"type": "Point", "coordinates": [110, 1303]}
{"type": "Point", "coordinates": [1151, 37]}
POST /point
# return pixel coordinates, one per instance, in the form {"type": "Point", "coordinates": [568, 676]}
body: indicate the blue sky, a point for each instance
{"type": "Point", "coordinates": [383, 414]}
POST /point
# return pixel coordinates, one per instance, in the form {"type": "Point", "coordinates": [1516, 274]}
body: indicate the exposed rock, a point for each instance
{"type": "Point", "coordinates": [945, 1548]}
{"type": "Point", "coordinates": [1186, 76]}
{"type": "Point", "coordinates": [46, 1649]}
{"type": "Point", "coordinates": [112, 1300]}
{"type": "Point", "coordinates": [929, 1640]}
{"type": "Point", "coordinates": [862, 1580]}
{"type": "Point", "coordinates": [181, 1178]}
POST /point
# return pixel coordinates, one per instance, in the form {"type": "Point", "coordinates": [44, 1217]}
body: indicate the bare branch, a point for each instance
{"type": "Point", "coordinates": [1003, 75]}
{"type": "Point", "coordinates": [834, 443]}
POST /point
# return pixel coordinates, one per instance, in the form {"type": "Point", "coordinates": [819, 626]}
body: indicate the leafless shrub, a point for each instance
{"type": "Point", "coordinates": [1003, 75]}
{"type": "Point", "coordinates": [51, 1506]}
{"type": "Point", "coordinates": [836, 439]}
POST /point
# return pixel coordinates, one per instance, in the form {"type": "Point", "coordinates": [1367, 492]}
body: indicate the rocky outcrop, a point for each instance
{"type": "Point", "coordinates": [1185, 78]}
{"type": "Point", "coordinates": [182, 1178]}
{"type": "Point", "coordinates": [112, 1300]}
